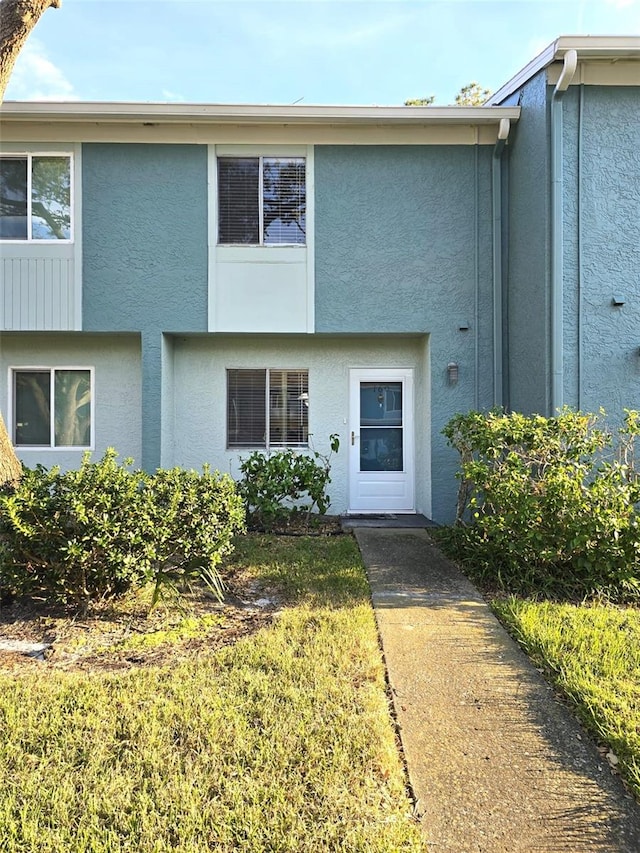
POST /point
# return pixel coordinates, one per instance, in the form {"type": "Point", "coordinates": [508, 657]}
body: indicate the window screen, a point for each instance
{"type": "Point", "coordinates": [238, 193]}
{"type": "Point", "coordinates": [267, 408]}
{"type": "Point", "coordinates": [52, 408]}
{"type": "Point", "coordinates": [35, 197]}
{"type": "Point", "coordinates": [262, 200]}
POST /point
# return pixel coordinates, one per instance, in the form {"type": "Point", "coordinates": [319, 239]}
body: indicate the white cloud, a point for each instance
{"type": "Point", "coordinates": [168, 95]}
{"type": "Point", "coordinates": [321, 31]}
{"type": "Point", "coordinates": [36, 78]}
{"type": "Point", "coordinates": [620, 4]}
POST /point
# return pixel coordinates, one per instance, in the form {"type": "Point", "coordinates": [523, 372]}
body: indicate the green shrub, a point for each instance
{"type": "Point", "coordinates": [275, 486]}
{"type": "Point", "coordinates": [103, 529]}
{"type": "Point", "coordinates": [547, 504]}
{"type": "Point", "coordinates": [194, 517]}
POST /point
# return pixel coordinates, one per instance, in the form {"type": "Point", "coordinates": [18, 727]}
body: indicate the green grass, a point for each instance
{"type": "Point", "coordinates": [282, 742]}
{"type": "Point", "coordinates": [592, 652]}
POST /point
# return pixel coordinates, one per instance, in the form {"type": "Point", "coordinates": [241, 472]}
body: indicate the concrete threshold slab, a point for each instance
{"type": "Point", "coordinates": [496, 762]}
{"type": "Point", "coordinates": [386, 520]}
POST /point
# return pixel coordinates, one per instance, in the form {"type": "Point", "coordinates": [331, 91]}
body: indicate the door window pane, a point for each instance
{"type": "Point", "coordinates": [381, 403]}
{"type": "Point", "coordinates": [50, 198]}
{"type": "Point", "coordinates": [13, 198]}
{"type": "Point", "coordinates": [72, 408]}
{"type": "Point", "coordinates": [381, 449]}
{"type": "Point", "coordinates": [32, 395]}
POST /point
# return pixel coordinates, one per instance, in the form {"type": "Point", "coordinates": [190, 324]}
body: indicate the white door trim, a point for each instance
{"type": "Point", "coordinates": [381, 491]}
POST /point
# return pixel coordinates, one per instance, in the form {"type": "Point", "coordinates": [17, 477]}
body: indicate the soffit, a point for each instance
{"type": "Point", "coordinates": [211, 123]}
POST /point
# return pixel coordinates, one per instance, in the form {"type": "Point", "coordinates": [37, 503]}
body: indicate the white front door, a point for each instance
{"type": "Point", "coordinates": [381, 469]}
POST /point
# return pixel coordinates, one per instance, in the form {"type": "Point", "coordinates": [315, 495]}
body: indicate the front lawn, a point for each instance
{"type": "Point", "coordinates": [592, 653]}
{"type": "Point", "coordinates": [280, 741]}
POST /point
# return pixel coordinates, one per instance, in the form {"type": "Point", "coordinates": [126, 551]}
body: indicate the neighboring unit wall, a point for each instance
{"type": "Point", "coordinates": [602, 248]}
{"type": "Point", "coordinates": [403, 244]}
{"type": "Point", "coordinates": [41, 280]}
{"type": "Point", "coordinates": [116, 388]}
{"type": "Point", "coordinates": [527, 315]}
{"type": "Point", "coordinates": [200, 392]}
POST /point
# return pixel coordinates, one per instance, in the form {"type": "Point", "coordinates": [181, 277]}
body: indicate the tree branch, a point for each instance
{"type": "Point", "coordinates": [17, 19]}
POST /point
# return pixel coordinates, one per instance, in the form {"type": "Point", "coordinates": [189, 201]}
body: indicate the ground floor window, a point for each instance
{"type": "Point", "coordinates": [267, 408]}
{"type": "Point", "coordinates": [52, 407]}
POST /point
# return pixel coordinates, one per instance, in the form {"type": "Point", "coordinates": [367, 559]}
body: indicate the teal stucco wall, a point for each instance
{"type": "Point", "coordinates": [145, 254]}
{"type": "Point", "coordinates": [403, 245]}
{"type": "Point", "coordinates": [527, 316]}
{"type": "Point", "coordinates": [602, 248]}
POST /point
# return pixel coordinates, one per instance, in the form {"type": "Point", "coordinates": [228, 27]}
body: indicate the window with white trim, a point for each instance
{"type": "Point", "coordinates": [262, 201]}
{"type": "Point", "coordinates": [35, 197]}
{"type": "Point", "coordinates": [52, 407]}
{"type": "Point", "coordinates": [267, 408]}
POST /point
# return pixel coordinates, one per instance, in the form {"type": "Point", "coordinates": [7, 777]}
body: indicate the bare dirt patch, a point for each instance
{"type": "Point", "coordinates": [125, 634]}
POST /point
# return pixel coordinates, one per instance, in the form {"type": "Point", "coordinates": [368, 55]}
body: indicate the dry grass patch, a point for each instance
{"type": "Point", "coordinates": [280, 741]}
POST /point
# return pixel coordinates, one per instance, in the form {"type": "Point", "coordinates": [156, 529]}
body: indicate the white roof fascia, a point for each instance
{"type": "Point", "coordinates": [144, 113]}
{"type": "Point", "coordinates": [587, 47]}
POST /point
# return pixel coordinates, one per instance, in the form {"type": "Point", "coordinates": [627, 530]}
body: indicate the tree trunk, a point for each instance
{"type": "Point", "coordinates": [10, 467]}
{"type": "Point", "coordinates": [17, 19]}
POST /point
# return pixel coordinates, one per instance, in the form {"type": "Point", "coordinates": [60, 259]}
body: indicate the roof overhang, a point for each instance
{"type": "Point", "coordinates": [104, 112]}
{"type": "Point", "coordinates": [249, 123]}
{"type": "Point", "coordinates": [606, 48]}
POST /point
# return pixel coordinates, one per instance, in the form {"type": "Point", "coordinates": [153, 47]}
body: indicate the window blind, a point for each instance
{"type": "Point", "coordinates": [284, 200]}
{"type": "Point", "coordinates": [267, 408]}
{"type": "Point", "coordinates": [238, 200]}
{"type": "Point", "coordinates": [262, 200]}
{"type": "Point", "coordinates": [246, 408]}
{"type": "Point", "coordinates": [288, 408]}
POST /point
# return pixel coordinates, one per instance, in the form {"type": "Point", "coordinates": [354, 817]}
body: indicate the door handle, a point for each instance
{"type": "Point", "coordinates": [353, 437]}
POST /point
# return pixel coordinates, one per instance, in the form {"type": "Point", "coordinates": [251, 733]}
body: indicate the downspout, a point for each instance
{"type": "Point", "coordinates": [496, 191]}
{"type": "Point", "coordinates": [476, 279]}
{"type": "Point", "coordinates": [579, 237]}
{"type": "Point", "coordinates": [557, 224]}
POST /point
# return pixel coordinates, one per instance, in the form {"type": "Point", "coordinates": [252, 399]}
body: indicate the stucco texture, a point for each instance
{"type": "Point", "coordinates": [602, 249]}
{"type": "Point", "coordinates": [116, 390]}
{"type": "Point", "coordinates": [145, 253]}
{"type": "Point", "coordinates": [527, 299]}
{"type": "Point", "coordinates": [403, 244]}
{"type": "Point", "coordinates": [199, 367]}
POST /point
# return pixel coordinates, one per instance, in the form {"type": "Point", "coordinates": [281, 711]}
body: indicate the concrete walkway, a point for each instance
{"type": "Point", "coordinates": [495, 761]}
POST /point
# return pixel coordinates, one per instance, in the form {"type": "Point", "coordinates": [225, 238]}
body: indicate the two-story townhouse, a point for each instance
{"type": "Point", "coordinates": [188, 283]}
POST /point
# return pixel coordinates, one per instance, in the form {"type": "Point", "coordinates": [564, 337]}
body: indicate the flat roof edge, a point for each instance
{"type": "Point", "coordinates": [109, 112]}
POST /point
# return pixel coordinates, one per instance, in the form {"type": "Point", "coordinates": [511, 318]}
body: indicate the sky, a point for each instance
{"type": "Point", "coordinates": [295, 51]}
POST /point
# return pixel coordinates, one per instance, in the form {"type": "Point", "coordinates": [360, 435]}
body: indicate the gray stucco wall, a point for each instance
{"type": "Point", "coordinates": [403, 244]}
{"type": "Point", "coordinates": [145, 253]}
{"type": "Point", "coordinates": [527, 271]}
{"type": "Point", "coordinates": [602, 248]}
{"type": "Point", "coordinates": [116, 391]}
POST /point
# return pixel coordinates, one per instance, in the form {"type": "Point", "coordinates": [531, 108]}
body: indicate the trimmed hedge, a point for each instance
{"type": "Point", "coordinates": [104, 529]}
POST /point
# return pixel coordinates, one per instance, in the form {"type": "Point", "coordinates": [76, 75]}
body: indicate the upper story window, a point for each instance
{"type": "Point", "coordinates": [35, 197]}
{"type": "Point", "coordinates": [262, 201]}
